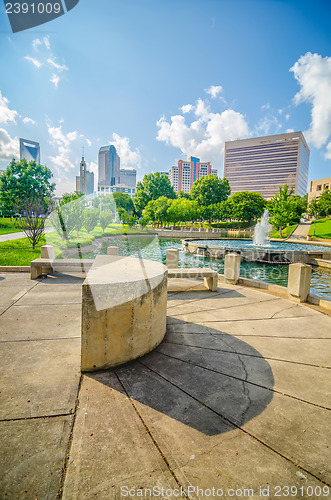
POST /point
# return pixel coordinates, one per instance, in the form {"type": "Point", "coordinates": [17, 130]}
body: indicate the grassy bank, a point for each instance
{"type": "Point", "coordinates": [285, 232]}
{"type": "Point", "coordinates": [19, 252]}
{"type": "Point", "coordinates": [322, 230]}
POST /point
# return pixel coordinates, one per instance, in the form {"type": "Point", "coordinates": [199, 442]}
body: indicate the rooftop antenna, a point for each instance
{"type": "Point", "coordinates": [83, 152]}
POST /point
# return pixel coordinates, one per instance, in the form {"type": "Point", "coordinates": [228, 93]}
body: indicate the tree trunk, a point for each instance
{"type": "Point", "coordinates": [280, 232]}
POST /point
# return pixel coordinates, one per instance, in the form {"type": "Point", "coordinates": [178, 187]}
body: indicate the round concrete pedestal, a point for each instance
{"type": "Point", "coordinates": [124, 304]}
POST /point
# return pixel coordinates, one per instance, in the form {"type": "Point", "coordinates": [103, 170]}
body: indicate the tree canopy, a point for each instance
{"type": "Point", "coordinates": [283, 207]}
{"type": "Point", "coordinates": [152, 187]}
{"type": "Point", "coordinates": [210, 189]}
{"type": "Point", "coordinates": [23, 181]}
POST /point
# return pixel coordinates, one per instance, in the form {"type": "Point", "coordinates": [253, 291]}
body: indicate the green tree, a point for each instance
{"type": "Point", "coordinates": [21, 181]}
{"type": "Point", "coordinates": [209, 190]}
{"type": "Point", "coordinates": [124, 201]}
{"type": "Point", "coordinates": [283, 208]}
{"type": "Point", "coordinates": [324, 203]}
{"type": "Point", "coordinates": [157, 210]}
{"type": "Point", "coordinates": [91, 218]}
{"type": "Point", "coordinates": [182, 210]}
{"type": "Point", "coordinates": [314, 211]}
{"type": "Point", "coordinates": [69, 215]}
{"type": "Point", "coordinates": [26, 188]}
{"type": "Point", "coordinates": [152, 187]}
{"type": "Point", "coordinates": [246, 206]}
{"type": "Point", "coordinates": [105, 219]}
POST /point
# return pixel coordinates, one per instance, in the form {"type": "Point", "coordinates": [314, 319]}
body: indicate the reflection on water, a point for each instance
{"type": "Point", "coordinates": [154, 248]}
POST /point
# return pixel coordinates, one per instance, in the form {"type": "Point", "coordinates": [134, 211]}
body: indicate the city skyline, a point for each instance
{"type": "Point", "coordinates": [253, 69]}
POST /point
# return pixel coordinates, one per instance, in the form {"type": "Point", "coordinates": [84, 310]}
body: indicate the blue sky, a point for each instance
{"type": "Point", "coordinates": [162, 80]}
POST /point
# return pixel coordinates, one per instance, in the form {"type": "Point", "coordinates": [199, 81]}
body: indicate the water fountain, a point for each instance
{"type": "Point", "coordinates": [261, 230]}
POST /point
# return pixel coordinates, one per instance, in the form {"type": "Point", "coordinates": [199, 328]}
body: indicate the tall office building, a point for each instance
{"type": "Point", "coordinates": [85, 181]}
{"type": "Point", "coordinates": [128, 177]}
{"type": "Point", "coordinates": [262, 164]}
{"type": "Point", "coordinates": [108, 166]}
{"type": "Point", "coordinates": [183, 176]}
{"type": "Point", "coordinates": [29, 150]}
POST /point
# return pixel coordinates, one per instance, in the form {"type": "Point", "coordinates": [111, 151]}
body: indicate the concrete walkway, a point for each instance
{"type": "Point", "coordinates": [237, 397]}
{"type": "Point", "coordinates": [19, 235]}
{"type": "Point", "coordinates": [300, 232]}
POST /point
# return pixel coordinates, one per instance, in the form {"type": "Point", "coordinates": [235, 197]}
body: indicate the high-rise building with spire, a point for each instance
{"type": "Point", "coordinates": [85, 181]}
{"type": "Point", "coordinates": [29, 150]}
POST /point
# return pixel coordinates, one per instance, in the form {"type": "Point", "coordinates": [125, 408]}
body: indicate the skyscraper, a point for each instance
{"type": "Point", "coordinates": [85, 181]}
{"type": "Point", "coordinates": [262, 164]}
{"type": "Point", "coordinates": [29, 150]}
{"type": "Point", "coordinates": [128, 177]}
{"type": "Point", "coordinates": [183, 176]}
{"type": "Point", "coordinates": [109, 166]}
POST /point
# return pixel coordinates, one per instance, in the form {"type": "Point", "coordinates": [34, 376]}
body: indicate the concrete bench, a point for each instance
{"type": "Point", "coordinates": [124, 308]}
{"type": "Point", "coordinates": [209, 276]}
{"type": "Point", "coordinates": [48, 266]}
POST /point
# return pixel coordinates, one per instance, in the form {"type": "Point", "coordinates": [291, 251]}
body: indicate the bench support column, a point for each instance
{"type": "Point", "coordinates": [231, 268]}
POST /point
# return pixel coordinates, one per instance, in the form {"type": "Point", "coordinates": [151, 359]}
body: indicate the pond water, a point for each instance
{"type": "Point", "coordinates": [150, 247]}
{"type": "Point", "coordinates": [272, 245]}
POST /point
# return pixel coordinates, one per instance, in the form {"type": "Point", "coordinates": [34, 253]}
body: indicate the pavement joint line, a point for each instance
{"type": "Point", "coordinates": [39, 340]}
{"type": "Point", "coordinates": [54, 304]}
{"type": "Point", "coordinates": [248, 335]}
{"type": "Point", "coordinates": [13, 303]}
{"type": "Point", "coordinates": [250, 355]}
{"type": "Point", "coordinates": [68, 449]}
{"type": "Point", "coordinates": [220, 296]}
{"type": "Point", "coordinates": [247, 381]}
{"type": "Point", "coordinates": [164, 458]}
{"type": "Point", "coordinates": [225, 419]}
{"type": "Point", "coordinates": [231, 320]}
{"type": "Point", "coordinates": [230, 307]}
{"type": "Point", "coordinates": [37, 417]}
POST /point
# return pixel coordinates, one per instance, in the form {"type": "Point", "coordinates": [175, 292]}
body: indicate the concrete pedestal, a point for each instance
{"type": "Point", "coordinates": [172, 258]}
{"type": "Point", "coordinates": [112, 250]}
{"type": "Point", "coordinates": [298, 286]}
{"type": "Point", "coordinates": [231, 268]}
{"type": "Point", "coordinates": [124, 304]}
{"type": "Point", "coordinates": [47, 252]}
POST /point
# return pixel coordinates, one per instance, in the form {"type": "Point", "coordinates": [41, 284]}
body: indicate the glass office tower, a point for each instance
{"type": "Point", "coordinates": [262, 164]}
{"type": "Point", "coordinates": [29, 150]}
{"type": "Point", "coordinates": [109, 166]}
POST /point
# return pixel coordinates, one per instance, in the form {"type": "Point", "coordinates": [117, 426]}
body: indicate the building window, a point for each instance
{"type": "Point", "coordinates": [319, 187]}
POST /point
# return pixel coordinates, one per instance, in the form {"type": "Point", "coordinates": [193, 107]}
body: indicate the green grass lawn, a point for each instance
{"type": "Point", "coordinates": [285, 232]}
{"type": "Point", "coordinates": [8, 230]}
{"type": "Point", "coordinates": [323, 228]}
{"type": "Point", "coordinates": [19, 252]}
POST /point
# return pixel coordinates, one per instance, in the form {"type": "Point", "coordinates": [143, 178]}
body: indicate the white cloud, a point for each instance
{"type": "Point", "coordinates": [280, 111]}
{"type": "Point", "coordinates": [27, 120]}
{"type": "Point", "coordinates": [214, 90]}
{"type": "Point", "coordinates": [41, 41]}
{"type": "Point", "coordinates": [289, 130]}
{"type": "Point", "coordinates": [327, 155]}
{"type": "Point", "coordinates": [34, 61]}
{"type": "Point", "coordinates": [55, 79]}
{"type": "Point", "coordinates": [313, 73]}
{"type": "Point", "coordinates": [267, 106]}
{"type": "Point", "coordinates": [129, 157]}
{"type": "Point", "coordinates": [9, 148]}
{"type": "Point", "coordinates": [186, 108]}
{"type": "Point", "coordinates": [287, 117]}
{"type": "Point", "coordinates": [268, 124]}
{"type": "Point", "coordinates": [61, 141]}
{"type": "Point", "coordinates": [205, 136]}
{"type": "Point", "coordinates": [89, 143]}
{"type": "Point", "coordinates": [54, 64]}
{"type": "Point", "coordinates": [6, 114]}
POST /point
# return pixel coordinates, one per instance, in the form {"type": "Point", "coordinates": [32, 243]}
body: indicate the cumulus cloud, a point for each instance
{"type": "Point", "coordinates": [205, 136]}
{"type": "Point", "coordinates": [62, 143]}
{"type": "Point", "coordinates": [327, 155]}
{"type": "Point", "coordinates": [186, 108]}
{"type": "Point", "coordinates": [54, 64]}
{"type": "Point", "coordinates": [313, 73]}
{"type": "Point", "coordinates": [34, 61]}
{"type": "Point", "coordinates": [267, 106]}
{"type": "Point", "coordinates": [129, 158]}
{"type": "Point", "coordinates": [6, 114]}
{"type": "Point", "coordinates": [27, 120]}
{"type": "Point", "coordinates": [9, 148]}
{"type": "Point", "coordinates": [268, 124]}
{"type": "Point", "coordinates": [41, 48]}
{"type": "Point", "coordinates": [55, 79]}
{"type": "Point", "coordinates": [214, 91]}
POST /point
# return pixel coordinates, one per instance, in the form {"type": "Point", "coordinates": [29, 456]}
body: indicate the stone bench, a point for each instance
{"type": "Point", "coordinates": [209, 276]}
{"type": "Point", "coordinates": [48, 266]}
{"type": "Point", "coordinates": [124, 308]}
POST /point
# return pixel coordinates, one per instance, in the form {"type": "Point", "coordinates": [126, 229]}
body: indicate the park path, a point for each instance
{"type": "Point", "coordinates": [19, 235]}
{"type": "Point", "coordinates": [236, 396]}
{"type": "Point", "coordinates": [301, 231]}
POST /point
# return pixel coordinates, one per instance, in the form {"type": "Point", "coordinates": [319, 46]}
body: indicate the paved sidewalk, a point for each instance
{"type": "Point", "coordinates": [19, 235]}
{"type": "Point", "coordinates": [301, 231]}
{"type": "Point", "coordinates": [236, 397]}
